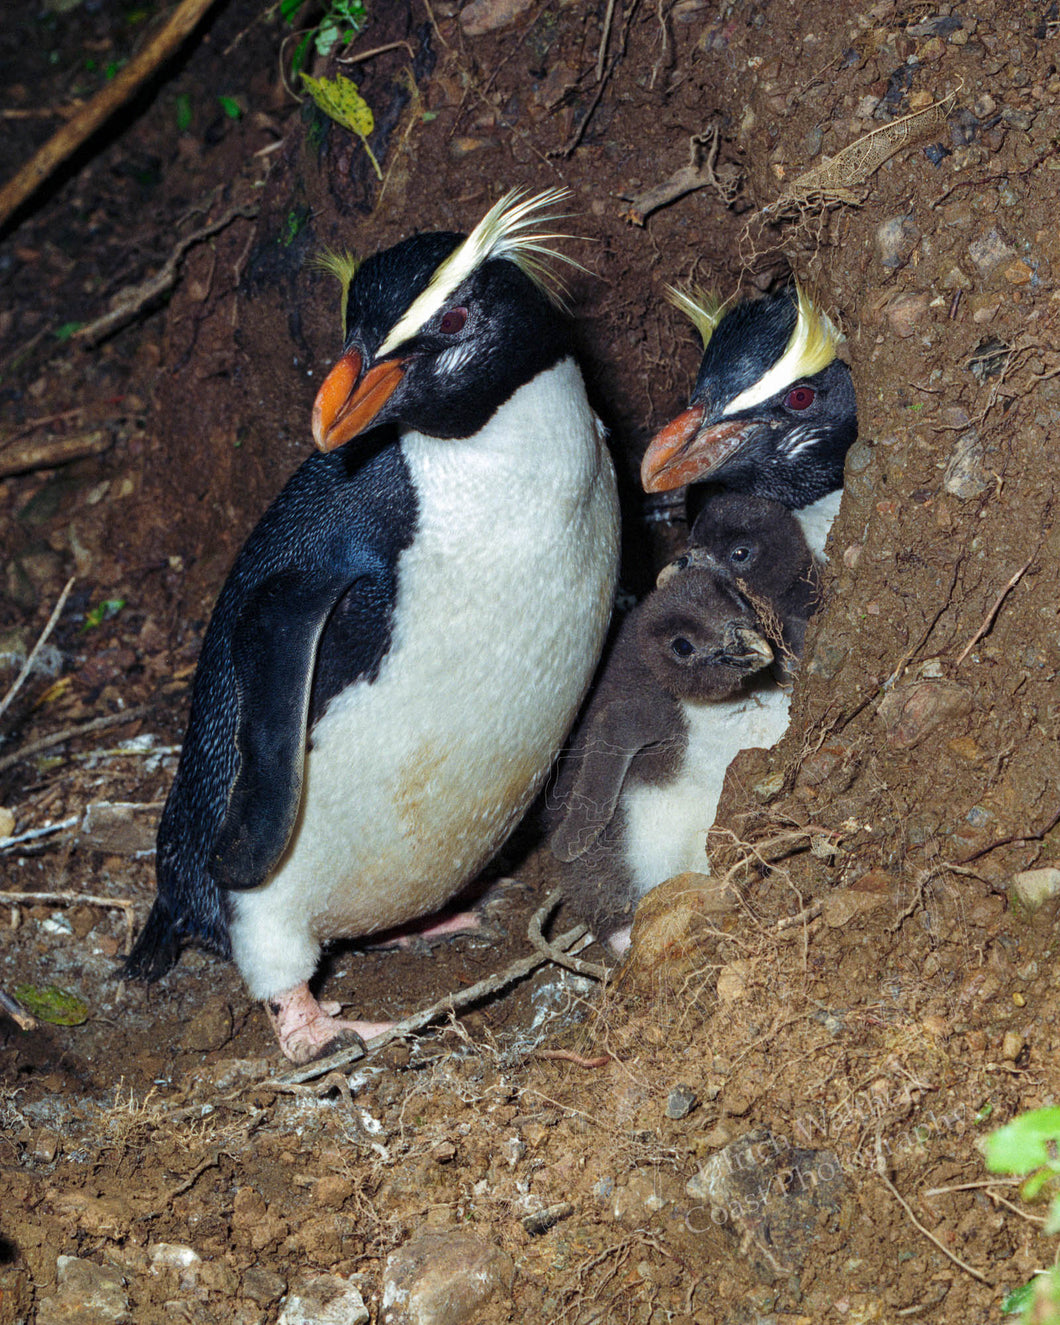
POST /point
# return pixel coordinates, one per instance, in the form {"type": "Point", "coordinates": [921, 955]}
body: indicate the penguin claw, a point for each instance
{"type": "Point", "coordinates": [308, 1030]}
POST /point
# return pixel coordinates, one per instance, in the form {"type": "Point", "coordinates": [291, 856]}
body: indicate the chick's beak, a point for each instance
{"type": "Point", "coordinates": [747, 650]}
{"type": "Point", "coordinates": [347, 403]}
{"type": "Point", "coordinates": [685, 450]}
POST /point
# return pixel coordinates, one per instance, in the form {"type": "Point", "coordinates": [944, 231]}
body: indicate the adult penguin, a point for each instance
{"type": "Point", "coordinates": [408, 633]}
{"type": "Point", "coordinates": [772, 413]}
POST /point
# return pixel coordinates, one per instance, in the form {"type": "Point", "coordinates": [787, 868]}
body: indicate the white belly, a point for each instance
{"type": "Point", "coordinates": [817, 519]}
{"type": "Point", "coordinates": [666, 827]}
{"type": "Point", "coordinates": [415, 780]}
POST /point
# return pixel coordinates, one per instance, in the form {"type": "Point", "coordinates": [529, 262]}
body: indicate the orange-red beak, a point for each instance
{"type": "Point", "coordinates": [684, 450]}
{"type": "Point", "coordinates": [345, 406]}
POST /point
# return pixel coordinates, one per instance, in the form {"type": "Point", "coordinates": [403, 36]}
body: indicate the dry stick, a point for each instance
{"type": "Point", "coordinates": [133, 298]}
{"type": "Point", "coordinates": [549, 950]}
{"type": "Point", "coordinates": [78, 130]}
{"type": "Point", "coordinates": [992, 614]}
{"type": "Point", "coordinates": [53, 451]}
{"type": "Point", "coordinates": [69, 733]}
{"type": "Point", "coordinates": [18, 1014]}
{"type": "Point", "coordinates": [492, 984]}
{"type": "Point", "coordinates": [919, 1226]}
{"type": "Point", "coordinates": [27, 666]}
{"type": "Point", "coordinates": [77, 899]}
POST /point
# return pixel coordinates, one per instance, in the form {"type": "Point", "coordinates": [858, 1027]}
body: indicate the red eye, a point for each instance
{"type": "Point", "coordinates": [800, 397]}
{"type": "Point", "coordinates": [453, 321]}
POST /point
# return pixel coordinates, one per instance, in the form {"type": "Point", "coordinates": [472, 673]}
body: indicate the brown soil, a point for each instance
{"type": "Point", "coordinates": [920, 773]}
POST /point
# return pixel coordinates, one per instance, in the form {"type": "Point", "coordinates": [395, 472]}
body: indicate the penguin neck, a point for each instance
{"type": "Point", "coordinates": [542, 445]}
{"type": "Point", "coordinates": [816, 521]}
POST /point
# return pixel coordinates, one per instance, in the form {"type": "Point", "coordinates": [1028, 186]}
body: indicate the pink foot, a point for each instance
{"type": "Point", "coordinates": [308, 1030]}
{"type": "Point", "coordinates": [463, 922]}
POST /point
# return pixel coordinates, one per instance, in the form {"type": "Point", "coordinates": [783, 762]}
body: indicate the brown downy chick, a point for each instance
{"type": "Point", "coordinates": [761, 544]}
{"type": "Point", "coordinates": [639, 787]}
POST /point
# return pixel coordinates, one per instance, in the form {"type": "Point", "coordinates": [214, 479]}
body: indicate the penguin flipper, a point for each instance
{"type": "Point", "coordinates": [600, 764]}
{"type": "Point", "coordinates": [274, 647]}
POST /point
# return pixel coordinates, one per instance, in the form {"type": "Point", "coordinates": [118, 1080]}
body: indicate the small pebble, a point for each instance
{"type": "Point", "coordinates": [542, 1220]}
{"type": "Point", "coordinates": [680, 1102]}
{"type": "Point", "coordinates": [1012, 1046]}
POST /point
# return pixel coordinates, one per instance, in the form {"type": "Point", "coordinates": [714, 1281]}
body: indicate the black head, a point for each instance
{"type": "Point", "coordinates": [757, 541]}
{"type": "Point", "coordinates": [442, 329]}
{"type": "Point", "coordinates": [700, 636]}
{"type": "Point", "coordinates": [773, 412]}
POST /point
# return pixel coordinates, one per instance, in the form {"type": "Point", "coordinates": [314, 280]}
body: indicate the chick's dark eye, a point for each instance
{"type": "Point", "coordinates": [682, 648]}
{"type": "Point", "coordinates": [740, 553]}
{"type": "Point", "coordinates": [800, 397]}
{"type": "Point", "coordinates": [452, 321]}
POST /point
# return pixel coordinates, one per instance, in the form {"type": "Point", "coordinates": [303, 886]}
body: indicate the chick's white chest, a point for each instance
{"type": "Point", "coordinates": [414, 780]}
{"type": "Point", "coordinates": [666, 826]}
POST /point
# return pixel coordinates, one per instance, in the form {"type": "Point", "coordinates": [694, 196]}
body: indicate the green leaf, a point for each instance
{"type": "Point", "coordinates": [102, 612]}
{"type": "Point", "coordinates": [1024, 1144]}
{"type": "Point", "coordinates": [183, 113]}
{"type": "Point", "coordinates": [52, 1004]}
{"type": "Point", "coordinates": [289, 10]}
{"type": "Point", "coordinates": [231, 107]}
{"type": "Point", "coordinates": [1017, 1299]}
{"type": "Point", "coordinates": [67, 330]}
{"type": "Point", "coordinates": [340, 101]}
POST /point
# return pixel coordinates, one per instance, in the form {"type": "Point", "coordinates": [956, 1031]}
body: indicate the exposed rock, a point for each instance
{"type": "Point", "coordinates": [540, 1221]}
{"type": "Point", "coordinates": [120, 828]}
{"type": "Point", "coordinates": [680, 1102]}
{"type": "Point", "coordinates": [989, 252]}
{"type": "Point", "coordinates": [1012, 1045]}
{"type": "Point", "coordinates": [905, 311]}
{"type": "Point", "coordinates": [667, 927]}
{"type": "Point", "coordinates": [964, 477]}
{"type": "Point", "coordinates": [442, 1279]}
{"type": "Point", "coordinates": [325, 1299]}
{"type": "Point", "coordinates": [88, 1294]}
{"type": "Point", "coordinates": [209, 1029]}
{"type": "Point", "coordinates": [895, 240]}
{"type": "Point", "coordinates": [843, 904]}
{"type": "Point", "coordinates": [770, 1198]}
{"type": "Point", "coordinates": [1031, 889]}
{"type": "Point", "coordinates": [912, 712]}
{"type": "Point", "coordinates": [482, 16]}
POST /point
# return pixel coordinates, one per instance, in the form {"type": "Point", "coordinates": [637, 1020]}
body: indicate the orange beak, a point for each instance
{"type": "Point", "coordinates": [345, 406]}
{"type": "Point", "coordinates": [684, 450]}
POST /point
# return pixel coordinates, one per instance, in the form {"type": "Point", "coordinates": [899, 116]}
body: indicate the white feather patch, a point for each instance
{"type": "Point", "coordinates": [504, 232]}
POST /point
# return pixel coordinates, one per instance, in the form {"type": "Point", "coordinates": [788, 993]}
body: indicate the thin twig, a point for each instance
{"type": "Point", "coordinates": [492, 984]}
{"type": "Point", "coordinates": [601, 58]}
{"type": "Point", "coordinates": [78, 899]}
{"type": "Point", "coordinates": [376, 50]}
{"type": "Point", "coordinates": [990, 616]}
{"type": "Point", "coordinates": [27, 666]}
{"type": "Point", "coordinates": [968, 1269]}
{"type": "Point", "coordinates": [69, 733]}
{"type": "Point", "coordinates": [65, 141]}
{"type": "Point", "coordinates": [31, 834]}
